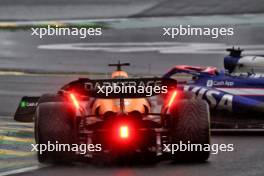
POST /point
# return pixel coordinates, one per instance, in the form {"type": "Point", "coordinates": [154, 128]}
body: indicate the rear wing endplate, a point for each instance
{"type": "Point", "coordinates": [26, 109]}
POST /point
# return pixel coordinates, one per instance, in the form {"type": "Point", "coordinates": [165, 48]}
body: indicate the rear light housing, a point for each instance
{"type": "Point", "coordinates": [74, 101]}
{"type": "Point", "coordinates": [172, 98]}
{"type": "Point", "coordinates": [124, 132]}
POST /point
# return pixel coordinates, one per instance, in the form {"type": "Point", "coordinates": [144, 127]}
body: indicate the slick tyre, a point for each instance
{"type": "Point", "coordinates": [191, 125]}
{"type": "Point", "coordinates": [54, 124]}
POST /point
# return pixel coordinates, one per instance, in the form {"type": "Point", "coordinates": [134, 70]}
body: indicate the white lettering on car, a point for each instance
{"type": "Point", "coordinates": [225, 101]}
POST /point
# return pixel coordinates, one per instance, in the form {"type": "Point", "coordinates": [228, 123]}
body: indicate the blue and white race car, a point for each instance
{"type": "Point", "coordinates": [236, 95]}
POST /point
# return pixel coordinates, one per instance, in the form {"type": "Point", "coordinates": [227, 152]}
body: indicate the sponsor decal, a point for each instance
{"type": "Point", "coordinates": [216, 99]}
{"type": "Point", "coordinates": [211, 83]}
{"type": "Point", "coordinates": [25, 104]}
{"type": "Point", "coordinates": [115, 88]}
{"type": "Point", "coordinates": [97, 85]}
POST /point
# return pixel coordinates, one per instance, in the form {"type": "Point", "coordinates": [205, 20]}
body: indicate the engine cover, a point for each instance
{"type": "Point", "coordinates": [245, 64]}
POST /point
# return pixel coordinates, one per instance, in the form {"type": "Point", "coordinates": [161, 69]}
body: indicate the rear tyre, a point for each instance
{"type": "Point", "coordinates": [191, 126]}
{"type": "Point", "coordinates": [51, 98]}
{"type": "Point", "coordinates": [54, 123]}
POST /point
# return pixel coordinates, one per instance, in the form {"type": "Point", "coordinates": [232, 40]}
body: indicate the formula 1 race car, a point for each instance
{"type": "Point", "coordinates": [235, 96]}
{"type": "Point", "coordinates": [123, 122]}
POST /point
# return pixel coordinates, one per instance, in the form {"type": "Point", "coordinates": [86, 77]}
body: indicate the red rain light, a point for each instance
{"type": "Point", "coordinates": [74, 101]}
{"type": "Point", "coordinates": [172, 98]}
{"type": "Point", "coordinates": [124, 132]}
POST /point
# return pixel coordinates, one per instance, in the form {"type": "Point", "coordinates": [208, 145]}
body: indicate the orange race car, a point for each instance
{"type": "Point", "coordinates": [118, 118]}
{"type": "Point", "coordinates": [103, 106]}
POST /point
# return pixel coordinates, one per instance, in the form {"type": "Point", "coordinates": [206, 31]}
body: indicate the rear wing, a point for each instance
{"type": "Point", "coordinates": [101, 88]}
{"type": "Point", "coordinates": [120, 88]}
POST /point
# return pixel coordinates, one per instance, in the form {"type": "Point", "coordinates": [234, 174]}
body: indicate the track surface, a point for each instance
{"type": "Point", "coordinates": [18, 58]}
{"type": "Point", "coordinates": [67, 9]}
{"type": "Point", "coordinates": [20, 55]}
{"type": "Point", "coordinates": [247, 159]}
{"type": "Point", "coordinates": [15, 55]}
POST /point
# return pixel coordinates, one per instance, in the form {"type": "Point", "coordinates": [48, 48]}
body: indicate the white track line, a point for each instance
{"type": "Point", "coordinates": [22, 170]}
{"type": "Point", "coordinates": [161, 47]}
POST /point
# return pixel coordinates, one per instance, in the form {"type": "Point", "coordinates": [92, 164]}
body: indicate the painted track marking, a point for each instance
{"type": "Point", "coordinates": [161, 47]}
{"type": "Point", "coordinates": [17, 171]}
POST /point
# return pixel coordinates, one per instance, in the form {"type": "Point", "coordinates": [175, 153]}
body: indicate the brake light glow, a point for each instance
{"type": "Point", "coordinates": [74, 101]}
{"type": "Point", "coordinates": [172, 98]}
{"type": "Point", "coordinates": [124, 132]}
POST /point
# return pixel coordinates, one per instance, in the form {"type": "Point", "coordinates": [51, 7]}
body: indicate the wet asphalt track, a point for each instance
{"type": "Point", "coordinates": [83, 9]}
{"type": "Point", "coordinates": [19, 55]}
{"type": "Point", "coordinates": [246, 160]}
